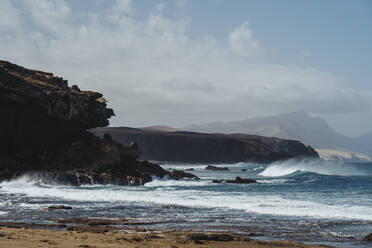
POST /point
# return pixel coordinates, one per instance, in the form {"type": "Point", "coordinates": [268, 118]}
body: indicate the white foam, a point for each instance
{"type": "Point", "coordinates": [176, 183]}
{"type": "Point", "coordinates": [3, 213]}
{"type": "Point", "coordinates": [316, 166]}
{"type": "Point", "coordinates": [262, 204]}
{"type": "Point", "coordinates": [273, 181]}
{"type": "Point", "coordinates": [199, 167]}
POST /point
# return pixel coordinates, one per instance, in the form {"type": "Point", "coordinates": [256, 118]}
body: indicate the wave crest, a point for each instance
{"type": "Point", "coordinates": [289, 167]}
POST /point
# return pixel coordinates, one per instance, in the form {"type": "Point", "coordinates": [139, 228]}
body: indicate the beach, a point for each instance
{"type": "Point", "coordinates": [27, 237]}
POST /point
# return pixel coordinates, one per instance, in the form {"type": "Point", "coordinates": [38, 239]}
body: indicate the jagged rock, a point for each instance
{"type": "Point", "coordinates": [178, 174]}
{"type": "Point", "coordinates": [236, 180]}
{"type": "Point", "coordinates": [215, 168]}
{"type": "Point", "coordinates": [43, 133]}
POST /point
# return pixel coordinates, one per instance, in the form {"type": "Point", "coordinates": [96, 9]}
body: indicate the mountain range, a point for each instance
{"type": "Point", "coordinates": [313, 131]}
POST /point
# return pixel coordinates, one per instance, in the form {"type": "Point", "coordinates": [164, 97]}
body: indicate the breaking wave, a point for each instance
{"type": "Point", "coordinates": [195, 197]}
{"type": "Point", "coordinates": [289, 167]}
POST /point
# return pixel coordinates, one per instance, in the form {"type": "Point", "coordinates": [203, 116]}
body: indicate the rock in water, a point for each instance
{"type": "Point", "coordinates": [57, 207]}
{"type": "Point", "coordinates": [178, 174]}
{"type": "Point", "coordinates": [215, 168]}
{"type": "Point", "coordinates": [236, 180]}
{"type": "Point", "coordinates": [368, 238]}
{"type": "Point", "coordinates": [241, 180]}
{"type": "Point", "coordinates": [43, 130]}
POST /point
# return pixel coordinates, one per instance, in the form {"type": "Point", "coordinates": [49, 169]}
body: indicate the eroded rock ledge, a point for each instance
{"type": "Point", "coordinates": [43, 133]}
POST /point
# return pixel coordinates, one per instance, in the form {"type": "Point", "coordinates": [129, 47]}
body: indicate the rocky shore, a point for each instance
{"type": "Point", "coordinates": [43, 133]}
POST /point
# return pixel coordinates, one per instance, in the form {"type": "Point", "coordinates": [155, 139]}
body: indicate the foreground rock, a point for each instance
{"type": "Point", "coordinates": [236, 180]}
{"type": "Point", "coordinates": [189, 147]}
{"type": "Point", "coordinates": [215, 168]}
{"type": "Point", "coordinates": [43, 133]}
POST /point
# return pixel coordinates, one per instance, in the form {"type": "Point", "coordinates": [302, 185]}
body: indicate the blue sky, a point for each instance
{"type": "Point", "coordinates": [156, 60]}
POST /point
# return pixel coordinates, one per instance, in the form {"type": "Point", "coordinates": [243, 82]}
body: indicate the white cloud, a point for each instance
{"type": "Point", "coordinates": [152, 71]}
{"type": "Point", "coordinates": [242, 43]}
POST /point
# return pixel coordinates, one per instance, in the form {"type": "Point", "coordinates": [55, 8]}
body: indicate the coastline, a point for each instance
{"type": "Point", "coordinates": [41, 237]}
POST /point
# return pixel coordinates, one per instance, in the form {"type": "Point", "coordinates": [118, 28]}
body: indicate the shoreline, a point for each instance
{"type": "Point", "coordinates": [47, 236]}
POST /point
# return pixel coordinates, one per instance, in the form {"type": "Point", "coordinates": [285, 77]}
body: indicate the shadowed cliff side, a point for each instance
{"type": "Point", "coordinates": [43, 131]}
{"type": "Point", "coordinates": [191, 147]}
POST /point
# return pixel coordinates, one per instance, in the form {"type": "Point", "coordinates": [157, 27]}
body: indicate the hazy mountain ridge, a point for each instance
{"type": "Point", "coordinates": [313, 131]}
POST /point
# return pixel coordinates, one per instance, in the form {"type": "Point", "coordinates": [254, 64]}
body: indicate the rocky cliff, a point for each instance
{"type": "Point", "coordinates": [192, 147]}
{"type": "Point", "coordinates": [43, 132]}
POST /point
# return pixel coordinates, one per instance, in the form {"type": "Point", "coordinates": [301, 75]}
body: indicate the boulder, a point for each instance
{"type": "Point", "coordinates": [178, 174]}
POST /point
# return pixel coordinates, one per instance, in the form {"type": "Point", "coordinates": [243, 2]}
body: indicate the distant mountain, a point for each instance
{"type": "Point", "coordinates": [365, 140]}
{"type": "Point", "coordinates": [160, 128]}
{"type": "Point", "coordinates": [335, 155]}
{"type": "Point", "coordinates": [313, 131]}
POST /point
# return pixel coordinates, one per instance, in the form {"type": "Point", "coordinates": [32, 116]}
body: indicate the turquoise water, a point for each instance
{"type": "Point", "coordinates": [309, 201]}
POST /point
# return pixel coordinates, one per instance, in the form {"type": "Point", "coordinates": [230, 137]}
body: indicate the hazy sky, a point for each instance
{"type": "Point", "coordinates": [190, 61]}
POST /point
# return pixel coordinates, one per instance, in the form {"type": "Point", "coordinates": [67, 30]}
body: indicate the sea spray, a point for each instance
{"type": "Point", "coordinates": [289, 167]}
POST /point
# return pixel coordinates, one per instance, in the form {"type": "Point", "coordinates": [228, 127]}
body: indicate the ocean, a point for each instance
{"type": "Point", "coordinates": [309, 201]}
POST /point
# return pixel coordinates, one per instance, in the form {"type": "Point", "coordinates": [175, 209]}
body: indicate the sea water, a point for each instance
{"type": "Point", "coordinates": [310, 201]}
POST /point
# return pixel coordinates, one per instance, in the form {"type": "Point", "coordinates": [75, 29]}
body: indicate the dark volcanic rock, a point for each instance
{"type": "Point", "coordinates": [188, 147]}
{"type": "Point", "coordinates": [215, 168]}
{"type": "Point", "coordinates": [43, 131]}
{"type": "Point", "coordinates": [236, 180]}
{"type": "Point", "coordinates": [368, 238]}
{"type": "Point", "coordinates": [178, 174]}
{"type": "Point", "coordinates": [58, 207]}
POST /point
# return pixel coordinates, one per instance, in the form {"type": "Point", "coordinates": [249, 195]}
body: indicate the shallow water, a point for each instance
{"type": "Point", "coordinates": [309, 201]}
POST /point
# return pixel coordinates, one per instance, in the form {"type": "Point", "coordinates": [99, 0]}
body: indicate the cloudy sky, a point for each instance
{"type": "Point", "coordinates": [178, 62]}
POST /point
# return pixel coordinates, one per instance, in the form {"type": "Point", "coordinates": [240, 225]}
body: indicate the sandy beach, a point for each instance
{"type": "Point", "coordinates": [29, 237]}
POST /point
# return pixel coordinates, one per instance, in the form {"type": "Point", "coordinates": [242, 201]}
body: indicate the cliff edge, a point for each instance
{"type": "Point", "coordinates": [43, 133]}
{"type": "Point", "coordinates": [191, 147]}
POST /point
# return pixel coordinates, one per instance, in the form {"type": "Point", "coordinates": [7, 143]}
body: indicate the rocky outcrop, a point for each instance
{"type": "Point", "coordinates": [43, 133]}
{"type": "Point", "coordinates": [188, 147]}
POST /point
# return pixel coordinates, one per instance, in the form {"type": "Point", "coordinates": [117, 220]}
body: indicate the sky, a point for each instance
{"type": "Point", "coordinates": [181, 62]}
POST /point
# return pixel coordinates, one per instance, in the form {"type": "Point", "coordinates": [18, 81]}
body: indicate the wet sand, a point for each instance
{"type": "Point", "coordinates": [40, 238]}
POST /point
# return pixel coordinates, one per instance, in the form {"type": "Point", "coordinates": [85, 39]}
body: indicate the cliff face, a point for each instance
{"type": "Point", "coordinates": [209, 148]}
{"type": "Point", "coordinates": [43, 128]}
